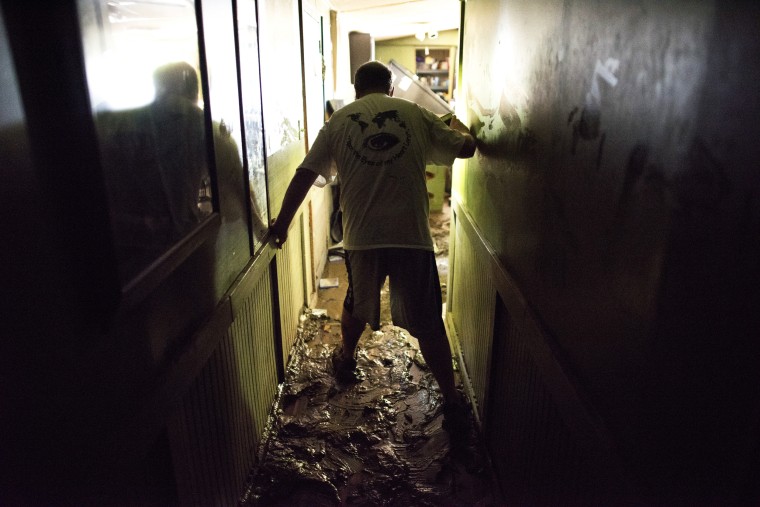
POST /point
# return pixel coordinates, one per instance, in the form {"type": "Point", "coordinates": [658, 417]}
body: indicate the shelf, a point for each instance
{"type": "Point", "coordinates": [434, 70]}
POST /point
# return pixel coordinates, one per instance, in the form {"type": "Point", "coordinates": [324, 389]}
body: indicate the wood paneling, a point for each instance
{"type": "Point", "coordinates": [216, 432]}
{"type": "Point", "coordinates": [290, 284]}
{"type": "Point", "coordinates": [471, 311]}
{"type": "Point", "coordinates": [547, 444]}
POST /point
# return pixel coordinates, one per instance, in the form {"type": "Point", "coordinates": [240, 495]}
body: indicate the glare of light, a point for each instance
{"type": "Point", "coordinates": [122, 78]}
{"type": "Point", "coordinates": [404, 83]}
{"type": "Point", "coordinates": [509, 72]}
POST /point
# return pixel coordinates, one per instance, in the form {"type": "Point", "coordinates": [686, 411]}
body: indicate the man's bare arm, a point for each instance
{"type": "Point", "coordinates": [468, 148]}
{"type": "Point", "coordinates": [299, 186]}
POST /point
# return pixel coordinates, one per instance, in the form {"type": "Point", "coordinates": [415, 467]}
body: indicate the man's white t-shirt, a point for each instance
{"type": "Point", "coordinates": [380, 146]}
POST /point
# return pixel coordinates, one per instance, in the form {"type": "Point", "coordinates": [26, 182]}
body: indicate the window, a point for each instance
{"type": "Point", "coordinates": [252, 117]}
{"type": "Point", "coordinates": [142, 63]}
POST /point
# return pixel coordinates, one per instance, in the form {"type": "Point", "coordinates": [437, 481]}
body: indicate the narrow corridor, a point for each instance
{"type": "Point", "coordinates": [378, 442]}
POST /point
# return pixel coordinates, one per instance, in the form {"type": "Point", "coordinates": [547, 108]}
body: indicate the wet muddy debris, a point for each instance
{"type": "Point", "coordinates": [377, 442]}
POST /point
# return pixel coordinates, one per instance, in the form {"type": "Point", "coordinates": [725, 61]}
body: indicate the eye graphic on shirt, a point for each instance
{"type": "Point", "coordinates": [380, 140]}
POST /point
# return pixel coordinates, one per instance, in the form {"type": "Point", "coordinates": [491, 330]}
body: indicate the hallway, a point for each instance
{"type": "Point", "coordinates": [602, 291]}
{"type": "Point", "coordinates": [378, 442]}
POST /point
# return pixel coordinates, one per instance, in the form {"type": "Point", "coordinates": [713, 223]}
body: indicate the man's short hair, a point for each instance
{"type": "Point", "coordinates": [373, 76]}
{"type": "Point", "coordinates": [177, 78]}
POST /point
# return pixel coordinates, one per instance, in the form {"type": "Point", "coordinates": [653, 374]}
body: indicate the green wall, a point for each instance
{"type": "Point", "coordinates": [403, 49]}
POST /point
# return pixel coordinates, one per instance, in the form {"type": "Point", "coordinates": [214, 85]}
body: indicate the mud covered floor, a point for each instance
{"type": "Point", "coordinates": [375, 443]}
{"type": "Point", "coordinates": [378, 442]}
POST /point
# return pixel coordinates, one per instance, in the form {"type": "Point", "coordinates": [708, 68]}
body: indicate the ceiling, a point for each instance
{"type": "Point", "coordinates": [387, 19]}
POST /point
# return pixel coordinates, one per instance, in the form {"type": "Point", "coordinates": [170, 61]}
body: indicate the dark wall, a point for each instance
{"type": "Point", "coordinates": [617, 179]}
{"type": "Point", "coordinates": [86, 374]}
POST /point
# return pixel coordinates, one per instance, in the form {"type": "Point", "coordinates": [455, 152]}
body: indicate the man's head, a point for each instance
{"type": "Point", "coordinates": [373, 77]}
{"type": "Point", "coordinates": [179, 78]}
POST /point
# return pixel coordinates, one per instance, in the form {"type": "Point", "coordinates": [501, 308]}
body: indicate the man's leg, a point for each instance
{"type": "Point", "coordinates": [352, 330]}
{"type": "Point", "coordinates": [416, 305]}
{"type": "Point", "coordinates": [437, 353]}
{"type": "Point", "coordinates": [344, 364]}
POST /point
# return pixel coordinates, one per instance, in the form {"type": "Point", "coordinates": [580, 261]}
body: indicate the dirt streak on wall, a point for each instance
{"type": "Point", "coordinates": [616, 180]}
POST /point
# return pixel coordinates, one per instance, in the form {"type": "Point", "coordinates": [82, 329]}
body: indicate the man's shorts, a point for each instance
{"type": "Point", "coordinates": [415, 290]}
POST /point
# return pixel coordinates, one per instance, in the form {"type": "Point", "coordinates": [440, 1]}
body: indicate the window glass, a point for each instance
{"type": "Point", "coordinates": [254, 137]}
{"type": "Point", "coordinates": [283, 88]}
{"type": "Point", "coordinates": [232, 243]}
{"type": "Point", "coordinates": [20, 192]}
{"type": "Point", "coordinates": [11, 113]}
{"type": "Point", "coordinates": [142, 65]}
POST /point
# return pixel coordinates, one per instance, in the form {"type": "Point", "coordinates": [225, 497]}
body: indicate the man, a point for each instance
{"type": "Point", "coordinates": [380, 146]}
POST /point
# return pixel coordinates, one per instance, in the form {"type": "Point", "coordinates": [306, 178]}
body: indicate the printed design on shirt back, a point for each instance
{"type": "Point", "coordinates": [380, 140]}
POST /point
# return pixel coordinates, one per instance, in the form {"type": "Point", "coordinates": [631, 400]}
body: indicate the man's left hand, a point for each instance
{"type": "Point", "coordinates": [277, 233]}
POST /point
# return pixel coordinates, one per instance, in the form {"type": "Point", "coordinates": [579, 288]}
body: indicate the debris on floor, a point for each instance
{"type": "Point", "coordinates": [327, 283]}
{"type": "Point", "coordinates": [377, 442]}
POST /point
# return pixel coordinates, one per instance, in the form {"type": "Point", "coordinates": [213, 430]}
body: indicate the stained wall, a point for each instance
{"type": "Point", "coordinates": [616, 182]}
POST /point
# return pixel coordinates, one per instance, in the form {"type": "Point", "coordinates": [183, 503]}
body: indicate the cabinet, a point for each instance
{"type": "Point", "coordinates": [434, 68]}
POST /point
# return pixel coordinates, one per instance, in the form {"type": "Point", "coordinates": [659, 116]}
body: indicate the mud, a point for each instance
{"type": "Point", "coordinates": [378, 442]}
{"type": "Point", "coordinates": [375, 443]}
